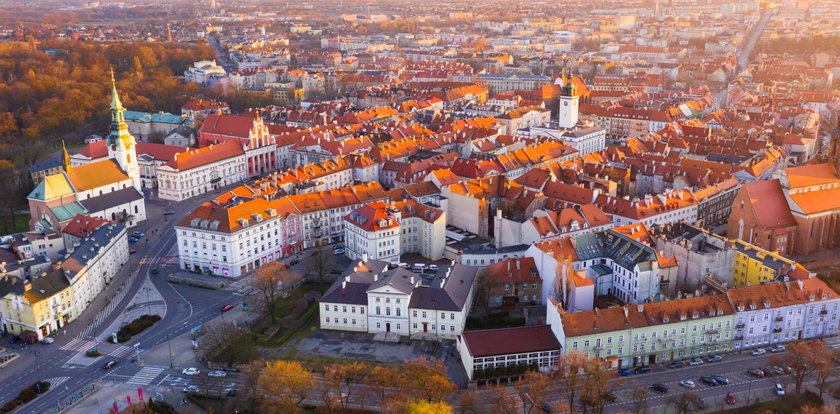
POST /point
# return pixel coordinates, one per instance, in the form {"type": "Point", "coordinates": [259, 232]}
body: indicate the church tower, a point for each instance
{"type": "Point", "coordinates": [121, 145]}
{"type": "Point", "coordinates": [567, 114]}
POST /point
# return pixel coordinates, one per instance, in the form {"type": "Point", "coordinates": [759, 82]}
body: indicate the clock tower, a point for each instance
{"type": "Point", "coordinates": [121, 145]}
{"type": "Point", "coordinates": [567, 114]}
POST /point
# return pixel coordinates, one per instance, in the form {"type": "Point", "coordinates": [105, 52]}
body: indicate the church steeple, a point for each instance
{"type": "Point", "coordinates": [66, 159]}
{"type": "Point", "coordinates": [120, 142]}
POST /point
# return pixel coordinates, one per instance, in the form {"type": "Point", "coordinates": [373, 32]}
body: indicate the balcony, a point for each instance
{"type": "Point", "coordinates": [824, 312]}
{"type": "Point", "coordinates": [598, 348]}
{"type": "Point", "coordinates": [779, 319]}
{"type": "Point", "coordinates": [739, 326]}
{"type": "Point", "coordinates": [712, 331]}
{"type": "Point", "coordinates": [777, 330]}
{"type": "Point", "coordinates": [739, 337]}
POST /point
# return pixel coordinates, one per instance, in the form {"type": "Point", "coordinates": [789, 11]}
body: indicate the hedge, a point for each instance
{"type": "Point", "coordinates": [135, 327]}
{"type": "Point", "coordinates": [26, 395]}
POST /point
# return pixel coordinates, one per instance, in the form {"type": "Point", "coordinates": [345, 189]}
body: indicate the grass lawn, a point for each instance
{"type": "Point", "coordinates": [17, 224]}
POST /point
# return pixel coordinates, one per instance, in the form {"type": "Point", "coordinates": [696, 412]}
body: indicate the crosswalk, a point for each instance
{"type": "Point", "coordinates": [146, 375]}
{"type": "Point", "coordinates": [150, 260]}
{"type": "Point", "coordinates": [123, 351]}
{"type": "Point", "coordinates": [57, 381]}
{"type": "Point", "coordinates": [79, 345]}
{"type": "Point", "coordinates": [100, 317]}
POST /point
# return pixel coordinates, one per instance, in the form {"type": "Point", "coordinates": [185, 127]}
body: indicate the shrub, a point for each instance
{"type": "Point", "coordinates": [136, 326]}
{"type": "Point", "coordinates": [26, 395]}
{"type": "Point", "coordinates": [162, 407]}
{"type": "Point", "coordinates": [93, 353]}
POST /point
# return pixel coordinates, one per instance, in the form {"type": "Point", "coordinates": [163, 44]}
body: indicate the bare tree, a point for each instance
{"type": "Point", "coordinates": [320, 263]}
{"type": "Point", "coordinates": [503, 402]}
{"type": "Point", "coordinates": [599, 379]}
{"type": "Point", "coordinates": [570, 376]}
{"type": "Point", "coordinates": [684, 402]}
{"type": "Point", "coordinates": [800, 360]}
{"type": "Point", "coordinates": [343, 383]}
{"type": "Point", "coordinates": [224, 341]}
{"type": "Point", "coordinates": [534, 390]}
{"type": "Point", "coordinates": [639, 395]}
{"type": "Point", "coordinates": [268, 280]}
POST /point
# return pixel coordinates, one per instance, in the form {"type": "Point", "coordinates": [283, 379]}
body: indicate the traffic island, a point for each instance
{"type": "Point", "coordinates": [135, 327]}
{"type": "Point", "coordinates": [26, 395]}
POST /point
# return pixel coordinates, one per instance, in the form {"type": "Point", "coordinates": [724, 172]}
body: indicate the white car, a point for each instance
{"type": "Point", "coordinates": [779, 389]}
{"type": "Point", "coordinates": [687, 383]}
{"type": "Point", "coordinates": [773, 349]}
{"type": "Point", "coordinates": [433, 267]}
{"type": "Point", "coordinates": [695, 362]}
{"type": "Point", "coordinates": [758, 351]}
{"type": "Point", "coordinates": [217, 374]}
{"type": "Point", "coordinates": [191, 371]}
{"type": "Point", "coordinates": [48, 340]}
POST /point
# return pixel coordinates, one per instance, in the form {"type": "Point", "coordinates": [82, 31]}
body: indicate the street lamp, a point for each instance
{"type": "Point", "coordinates": [171, 357]}
{"type": "Point", "coordinates": [37, 365]}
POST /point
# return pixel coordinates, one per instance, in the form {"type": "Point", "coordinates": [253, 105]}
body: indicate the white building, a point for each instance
{"type": "Point", "coordinates": [201, 170]}
{"type": "Point", "coordinates": [92, 263]}
{"type": "Point", "coordinates": [373, 230]}
{"type": "Point", "coordinates": [773, 313]}
{"type": "Point", "coordinates": [376, 300]}
{"type": "Point", "coordinates": [205, 72]}
{"type": "Point", "coordinates": [230, 237]}
{"type": "Point", "coordinates": [385, 231]}
{"type": "Point", "coordinates": [494, 348]}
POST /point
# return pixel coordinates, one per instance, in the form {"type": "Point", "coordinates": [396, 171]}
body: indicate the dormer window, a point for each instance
{"type": "Point", "coordinates": [740, 308]}
{"type": "Point", "coordinates": [694, 315]}
{"type": "Point", "coordinates": [752, 306]}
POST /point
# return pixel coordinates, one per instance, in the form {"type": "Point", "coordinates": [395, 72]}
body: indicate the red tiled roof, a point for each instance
{"type": "Point", "coordinates": [231, 125]}
{"type": "Point", "coordinates": [206, 155]}
{"type": "Point", "coordinates": [94, 150]}
{"type": "Point", "coordinates": [508, 341]}
{"type": "Point", "coordinates": [82, 225]}
{"type": "Point", "coordinates": [159, 152]}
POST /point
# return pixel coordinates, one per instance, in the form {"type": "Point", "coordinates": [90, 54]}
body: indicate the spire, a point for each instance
{"type": "Point", "coordinates": [66, 157]}
{"type": "Point", "coordinates": [116, 105]}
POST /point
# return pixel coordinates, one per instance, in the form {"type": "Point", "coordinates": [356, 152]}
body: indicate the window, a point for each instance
{"type": "Point", "coordinates": [378, 311]}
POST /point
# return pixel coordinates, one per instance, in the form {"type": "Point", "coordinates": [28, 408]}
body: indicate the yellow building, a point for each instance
{"type": "Point", "coordinates": [42, 305]}
{"type": "Point", "coordinates": [754, 265]}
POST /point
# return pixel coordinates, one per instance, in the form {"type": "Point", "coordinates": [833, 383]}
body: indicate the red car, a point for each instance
{"type": "Point", "coordinates": [730, 398]}
{"type": "Point", "coordinates": [226, 308]}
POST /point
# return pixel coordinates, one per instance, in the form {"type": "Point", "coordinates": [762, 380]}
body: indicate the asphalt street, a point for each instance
{"type": "Point", "coordinates": [186, 307]}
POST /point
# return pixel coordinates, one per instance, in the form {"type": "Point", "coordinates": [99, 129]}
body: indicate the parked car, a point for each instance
{"type": "Point", "coordinates": [779, 389]}
{"type": "Point", "coordinates": [217, 374]}
{"type": "Point", "coordinates": [433, 268]}
{"type": "Point", "coordinates": [756, 372]}
{"type": "Point", "coordinates": [418, 267]}
{"type": "Point", "coordinates": [695, 362]}
{"type": "Point", "coordinates": [191, 389]}
{"type": "Point", "coordinates": [776, 370]}
{"type": "Point", "coordinates": [730, 398]}
{"type": "Point", "coordinates": [659, 387]}
{"type": "Point", "coordinates": [168, 212]}
{"type": "Point", "coordinates": [687, 383]}
{"type": "Point", "coordinates": [190, 371]}
{"type": "Point", "coordinates": [138, 234]}
{"type": "Point", "coordinates": [708, 381]}
{"type": "Point", "coordinates": [714, 358]}
{"type": "Point", "coordinates": [132, 251]}
{"type": "Point", "coordinates": [226, 307]}
{"type": "Point", "coordinates": [403, 265]}
{"type": "Point", "coordinates": [109, 364]}
{"type": "Point", "coordinates": [47, 340]}
{"type": "Point", "coordinates": [644, 369]}
{"type": "Point", "coordinates": [701, 403]}
{"type": "Point", "coordinates": [758, 351]}
{"type": "Point", "coordinates": [677, 364]}
{"type": "Point", "coordinates": [338, 252]}
{"type": "Point", "coordinates": [623, 372]}
{"type": "Point", "coordinates": [777, 348]}
{"type": "Point", "coordinates": [133, 239]}
{"type": "Point", "coordinates": [721, 380]}
{"type": "Point", "coordinates": [338, 246]}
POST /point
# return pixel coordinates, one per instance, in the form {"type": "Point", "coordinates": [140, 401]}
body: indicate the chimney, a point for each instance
{"type": "Point", "coordinates": [640, 307]}
{"type": "Point", "coordinates": [412, 280]}
{"type": "Point", "coordinates": [343, 285]}
{"type": "Point", "coordinates": [376, 277]}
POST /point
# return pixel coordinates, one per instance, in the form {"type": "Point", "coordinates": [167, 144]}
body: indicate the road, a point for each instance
{"type": "Point", "coordinates": [742, 56]}
{"type": "Point", "coordinates": [186, 307]}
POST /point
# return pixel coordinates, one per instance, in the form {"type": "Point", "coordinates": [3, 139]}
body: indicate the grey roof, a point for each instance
{"type": "Point", "coordinates": [45, 165]}
{"type": "Point", "coordinates": [350, 293]}
{"type": "Point", "coordinates": [399, 279]}
{"type": "Point", "coordinates": [452, 296]}
{"type": "Point", "coordinates": [89, 248]}
{"type": "Point", "coordinates": [113, 199]}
